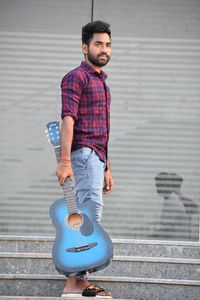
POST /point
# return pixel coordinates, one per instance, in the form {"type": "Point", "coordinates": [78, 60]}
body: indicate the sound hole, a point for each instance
{"type": "Point", "coordinates": [75, 220]}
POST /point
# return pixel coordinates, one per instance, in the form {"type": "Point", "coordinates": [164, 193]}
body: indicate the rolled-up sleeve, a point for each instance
{"type": "Point", "coordinates": [71, 88]}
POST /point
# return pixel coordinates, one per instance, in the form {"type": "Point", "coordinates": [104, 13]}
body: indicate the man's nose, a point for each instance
{"type": "Point", "coordinates": [104, 48]}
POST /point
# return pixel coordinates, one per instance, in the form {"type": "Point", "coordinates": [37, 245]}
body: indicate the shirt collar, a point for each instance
{"type": "Point", "coordinates": [87, 67]}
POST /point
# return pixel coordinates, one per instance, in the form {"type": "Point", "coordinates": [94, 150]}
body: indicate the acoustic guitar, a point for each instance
{"type": "Point", "coordinates": [81, 243]}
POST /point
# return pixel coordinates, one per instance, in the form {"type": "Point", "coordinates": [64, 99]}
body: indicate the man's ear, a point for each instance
{"type": "Point", "coordinates": [85, 49]}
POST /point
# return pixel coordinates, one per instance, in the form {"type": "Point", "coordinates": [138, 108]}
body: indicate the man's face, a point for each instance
{"type": "Point", "coordinates": [99, 50]}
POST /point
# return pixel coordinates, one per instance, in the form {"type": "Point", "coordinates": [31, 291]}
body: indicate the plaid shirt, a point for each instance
{"type": "Point", "coordinates": [86, 98]}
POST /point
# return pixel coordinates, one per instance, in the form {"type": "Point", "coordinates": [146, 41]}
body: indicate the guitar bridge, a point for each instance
{"type": "Point", "coordinates": [82, 247]}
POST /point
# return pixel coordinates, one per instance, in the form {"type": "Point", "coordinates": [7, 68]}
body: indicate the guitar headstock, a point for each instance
{"type": "Point", "coordinates": [53, 133]}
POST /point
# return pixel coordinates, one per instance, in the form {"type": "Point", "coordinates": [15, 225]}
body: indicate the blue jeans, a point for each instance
{"type": "Point", "coordinates": [88, 171]}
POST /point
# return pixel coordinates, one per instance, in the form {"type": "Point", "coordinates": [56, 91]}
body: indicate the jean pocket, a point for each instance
{"type": "Point", "coordinates": [76, 154]}
{"type": "Point", "coordinates": [86, 152]}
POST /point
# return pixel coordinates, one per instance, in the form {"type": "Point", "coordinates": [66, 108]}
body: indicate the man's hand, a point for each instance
{"type": "Point", "coordinates": [63, 171]}
{"type": "Point", "coordinates": [108, 182]}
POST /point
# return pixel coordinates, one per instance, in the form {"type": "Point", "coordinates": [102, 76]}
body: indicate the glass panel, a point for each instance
{"type": "Point", "coordinates": [40, 42]}
{"type": "Point", "coordinates": [51, 16]}
{"type": "Point", "coordinates": [155, 142]}
{"type": "Point", "coordinates": [155, 136]}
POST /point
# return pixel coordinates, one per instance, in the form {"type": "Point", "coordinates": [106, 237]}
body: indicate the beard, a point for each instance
{"type": "Point", "coordinates": [98, 61]}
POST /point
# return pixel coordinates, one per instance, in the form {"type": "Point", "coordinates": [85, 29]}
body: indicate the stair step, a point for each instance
{"type": "Point", "coordinates": [123, 288]}
{"type": "Point", "coordinates": [45, 298]}
{"type": "Point", "coordinates": [122, 247]}
{"type": "Point", "coordinates": [157, 267]}
{"type": "Point", "coordinates": [30, 298]}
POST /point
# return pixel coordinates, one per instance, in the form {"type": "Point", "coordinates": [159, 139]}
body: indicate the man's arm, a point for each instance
{"type": "Point", "coordinates": [108, 179]}
{"type": "Point", "coordinates": [64, 169]}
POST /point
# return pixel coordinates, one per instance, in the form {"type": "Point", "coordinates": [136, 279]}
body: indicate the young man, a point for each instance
{"type": "Point", "coordinates": [85, 133]}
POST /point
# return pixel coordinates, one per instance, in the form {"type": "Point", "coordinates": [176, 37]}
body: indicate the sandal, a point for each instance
{"type": "Point", "coordinates": [93, 292]}
{"type": "Point", "coordinates": [72, 295]}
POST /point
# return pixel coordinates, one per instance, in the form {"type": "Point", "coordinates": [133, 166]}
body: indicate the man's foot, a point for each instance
{"type": "Point", "coordinates": [75, 287]}
{"type": "Point", "coordinates": [96, 291]}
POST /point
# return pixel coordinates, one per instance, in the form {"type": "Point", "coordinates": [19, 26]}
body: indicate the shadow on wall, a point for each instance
{"type": "Point", "coordinates": [179, 218]}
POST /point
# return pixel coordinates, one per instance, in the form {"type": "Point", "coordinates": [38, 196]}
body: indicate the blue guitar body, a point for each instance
{"type": "Point", "coordinates": [71, 249]}
{"type": "Point", "coordinates": [80, 244]}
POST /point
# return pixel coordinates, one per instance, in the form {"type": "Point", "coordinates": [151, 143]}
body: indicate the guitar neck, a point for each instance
{"type": "Point", "coordinates": [57, 153]}
{"type": "Point", "coordinates": [67, 188]}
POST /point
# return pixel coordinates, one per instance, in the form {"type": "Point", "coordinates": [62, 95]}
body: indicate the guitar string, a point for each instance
{"type": "Point", "coordinates": [78, 237]}
{"type": "Point", "coordinates": [69, 195]}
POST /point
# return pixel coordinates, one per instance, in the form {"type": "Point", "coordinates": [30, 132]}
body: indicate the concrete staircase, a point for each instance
{"type": "Point", "coordinates": [145, 270]}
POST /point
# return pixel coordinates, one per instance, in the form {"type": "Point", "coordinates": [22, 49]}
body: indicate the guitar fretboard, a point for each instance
{"type": "Point", "coordinates": [67, 188]}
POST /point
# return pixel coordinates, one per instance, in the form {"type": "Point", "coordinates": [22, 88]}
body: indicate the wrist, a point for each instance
{"type": "Point", "coordinates": [107, 168]}
{"type": "Point", "coordinates": [65, 159]}
{"type": "Point", "coordinates": [65, 164]}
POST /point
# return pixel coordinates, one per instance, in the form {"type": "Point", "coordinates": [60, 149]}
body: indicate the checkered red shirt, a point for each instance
{"type": "Point", "coordinates": [86, 97]}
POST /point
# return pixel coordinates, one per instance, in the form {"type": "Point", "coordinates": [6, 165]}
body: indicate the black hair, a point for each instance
{"type": "Point", "coordinates": [94, 27]}
{"type": "Point", "coordinates": [168, 179]}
